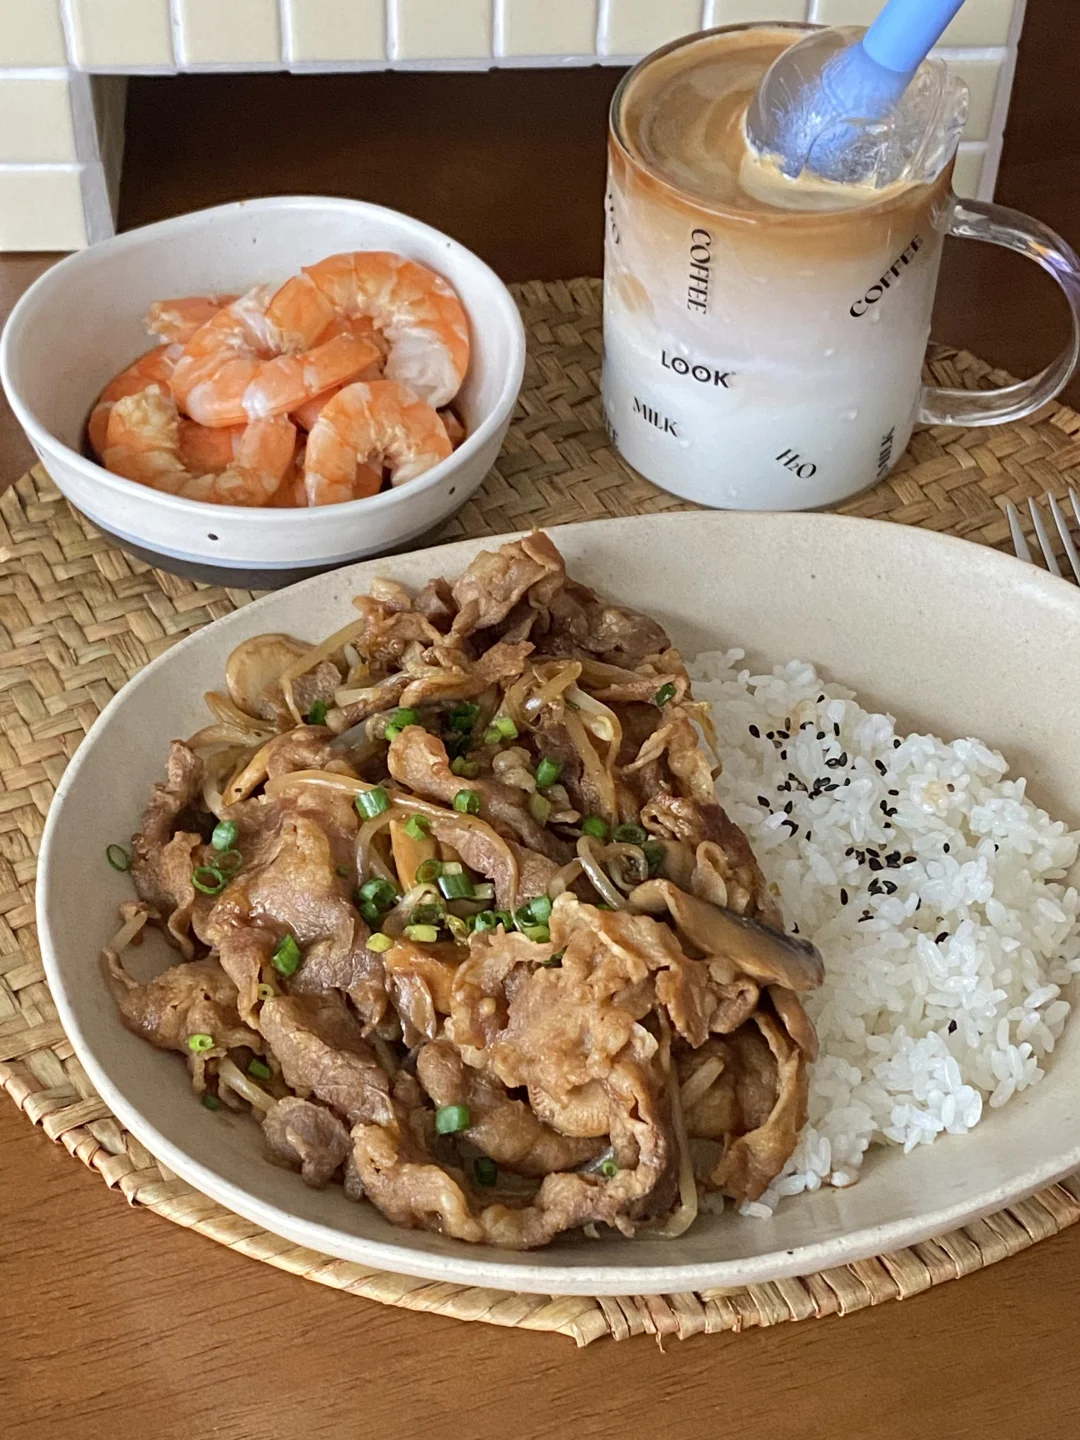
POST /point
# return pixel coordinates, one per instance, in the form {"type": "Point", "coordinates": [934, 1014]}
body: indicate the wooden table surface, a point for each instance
{"type": "Point", "coordinates": [116, 1323]}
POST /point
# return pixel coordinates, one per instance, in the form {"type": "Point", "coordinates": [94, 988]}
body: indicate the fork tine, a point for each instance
{"type": "Point", "coordinates": [1019, 541]}
{"type": "Point", "coordinates": [1044, 539]}
{"type": "Point", "coordinates": [1066, 539]}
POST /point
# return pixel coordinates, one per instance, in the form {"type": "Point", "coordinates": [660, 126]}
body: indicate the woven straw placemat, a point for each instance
{"type": "Point", "coordinates": [78, 618]}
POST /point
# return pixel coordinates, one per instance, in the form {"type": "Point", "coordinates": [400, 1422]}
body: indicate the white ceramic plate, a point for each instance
{"type": "Point", "coordinates": [949, 635]}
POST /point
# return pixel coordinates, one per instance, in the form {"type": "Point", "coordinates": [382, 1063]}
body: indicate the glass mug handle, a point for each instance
{"type": "Point", "coordinates": [979, 220]}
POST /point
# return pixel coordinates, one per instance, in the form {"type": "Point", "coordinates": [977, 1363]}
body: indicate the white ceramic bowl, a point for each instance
{"type": "Point", "coordinates": [82, 322]}
{"type": "Point", "coordinates": [950, 636]}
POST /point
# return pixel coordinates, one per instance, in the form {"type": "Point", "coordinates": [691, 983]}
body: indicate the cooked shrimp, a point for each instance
{"type": "Point", "coordinates": [153, 368]}
{"type": "Point", "coordinates": [177, 320]}
{"type": "Point", "coordinates": [454, 427]}
{"type": "Point", "coordinates": [371, 425]}
{"type": "Point", "coordinates": [416, 309]}
{"type": "Point", "coordinates": [230, 371]}
{"type": "Point", "coordinates": [143, 444]}
{"type": "Point", "coordinates": [205, 451]}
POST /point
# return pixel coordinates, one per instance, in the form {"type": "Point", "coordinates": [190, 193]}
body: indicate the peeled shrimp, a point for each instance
{"type": "Point", "coordinates": [364, 425]}
{"type": "Point", "coordinates": [177, 320]}
{"type": "Point", "coordinates": [416, 309]}
{"type": "Point", "coordinates": [153, 368]}
{"type": "Point", "coordinates": [206, 451]}
{"type": "Point", "coordinates": [143, 443]}
{"type": "Point", "coordinates": [231, 372]}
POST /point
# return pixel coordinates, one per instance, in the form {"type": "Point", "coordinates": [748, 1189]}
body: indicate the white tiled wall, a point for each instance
{"type": "Point", "coordinates": [62, 64]}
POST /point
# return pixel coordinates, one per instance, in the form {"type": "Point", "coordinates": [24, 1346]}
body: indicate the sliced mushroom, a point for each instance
{"type": "Point", "coordinates": [755, 950]}
{"type": "Point", "coordinates": [253, 674]}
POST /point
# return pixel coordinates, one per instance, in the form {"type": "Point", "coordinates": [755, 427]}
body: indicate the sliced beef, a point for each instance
{"type": "Point", "coordinates": [195, 998]}
{"type": "Point", "coordinates": [322, 1052]}
{"type": "Point", "coordinates": [306, 1137]}
{"type": "Point", "coordinates": [419, 761]}
{"type": "Point", "coordinates": [492, 585]}
{"type": "Point", "coordinates": [169, 800]}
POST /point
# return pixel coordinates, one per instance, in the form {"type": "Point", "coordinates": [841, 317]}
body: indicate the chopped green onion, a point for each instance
{"type": "Point", "coordinates": [286, 958]}
{"type": "Point", "coordinates": [391, 732]}
{"type": "Point", "coordinates": [486, 920]}
{"type": "Point", "coordinates": [211, 1102]}
{"type": "Point", "coordinates": [467, 802]}
{"type": "Point", "coordinates": [485, 1170]}
{"type": "Point", "coordinates": [200, 1042]}
{"type": "Point", "coordinates": [379, 892]}
{"type": "Point", "coordinates": [505, 919]}
{"type": "Point", "coordinates": [379, 942]}
{"type": "Point", "coordinates": [468, 769]}
{"type": "Point", "coordinates": [265, 992]}
{"type": "Point", "coordinates": [317, 714]}
{"type": "Point", "coordinates": [416, 827]}
{"type": "Point", "coordinates": [422, 934]}
{"type": "Point", "coordinates": [372, 802]}
{"type": "Point", "coordinates": [453, 867]}
{"type": "Point", "coordinates": [629, 835]}
{"type": "Point", "coordinates": [484, 891]}
{"type": "Point", "coordinates": [539, 807]}
{"type": "Point", "coordinates": [450, 1119]}
{"type": "Point", "coordinates": [260, 1070]}
{"type": "Point", "coordinates": [538, 934]}
{"type": "Point", "coordinates": [226, 833]}
{"type": "Point", "coordinates": [118, 857]}
{"type": "Point", "coordinates": [432, 914]}
{"type": "Point", "coordinates": [406, 715]}
{"type": "Point", "coordinates": [458, 928]}
{"type": "Point", "coordinates": [664, 694]}
{"type": "Point", "coordinates": [229, 862]}
{"type": "Point", "coordinates": [463, 717]}
{"type": "Point", "coordinates": [505, 726]}
{"type": "Point", "coordinates": [596, 826]}
{"type": "Point", "coordinates": [209, 880]}
{"type": "Point", "coordinates": [609, 1168]}
{"type": "Point", "coordinates": [555, 962]}
{"type": "Point", "coordinates": [343, 870]}
{"type": "Point", "coordinates": [603, 905]}
{"type": "Point", "coordinates": [548, 771]}
{"type": "Point", "coordinates": [654, 854]}
{"type": "Point", "coordinates": [540, 909]}
{"type": "Point", "coordinates": [456, 887]}
{"type": "Point", "coordinates": [428, 870]}
{"type": "Point", "coordinates": [371, 912]}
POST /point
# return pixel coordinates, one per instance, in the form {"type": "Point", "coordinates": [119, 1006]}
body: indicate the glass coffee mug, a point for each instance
{"type": "Point", "coordinates": [758, 357]}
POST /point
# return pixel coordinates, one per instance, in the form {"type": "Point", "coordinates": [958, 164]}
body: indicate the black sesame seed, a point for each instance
{"type": "Point", "coordinates": [755, 732]}
{"type": "Point", "coordinates": [889, 886]}
{"type": "Point", "coordinates": [882, 766]}
{"type": "Point", "coordinates": [763, 800]}
{"type": "Point", "coordinates": [893, 857]}
{"type": "Point", "coordinates": [821, 734]}
{"type": "Point", "coordinates": [787, 722]}
{"type": "Point", "coordinates": [821, 699]}
{"type": "Point", "coordinates": [940, 939]}
{"type": "Point", "coordinates": [789, 807]}
{"type": "Point", "coordinates": [847, 782]}
{"type": "Point", "coordinates": [783, 754]}
{"type": "Point", "coordinates": [896, 744]}
{"type": "Point", "coordinates": [952, 1027]}
{"type": "Point", "coordinates": [945, 847]}
{"type": "Point", "coordinates": [809, 835]}
{"type": "Point", "coordinates": [865, 916]}
{"type": "Point", "coordinates": [795, 929]}
{"type": "Point", "coordinates": [850, 850]}
{"type": "Point", "coordinates": [875, 864]}
{"type": "Point", "coordinates": [909, 859]}
{"type": "Point", "coordinates": [783, 735]}
{"type": "Point", "coordinates": [843, 896]}
{"type": "Point", "coordinates": [895, 794]}
{"type": "Point", "coordinates": [770, 735]}
{"type": "Point", "coordinates": [836, 730]}
{"type": "Point", "coordinates": [794, 827]}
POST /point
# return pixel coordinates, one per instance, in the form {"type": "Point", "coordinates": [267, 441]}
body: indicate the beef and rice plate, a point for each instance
{"type": "Point", "coordinates": [460, 921]}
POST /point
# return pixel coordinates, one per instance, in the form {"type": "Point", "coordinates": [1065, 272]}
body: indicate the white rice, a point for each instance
{"type": "Point", "coordinates": [935, 892]}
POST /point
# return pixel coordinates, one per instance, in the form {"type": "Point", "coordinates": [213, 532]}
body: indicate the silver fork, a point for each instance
{"type": "Point", "coordinates": [1020, 544]}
